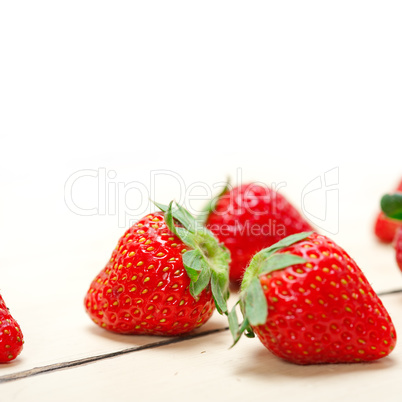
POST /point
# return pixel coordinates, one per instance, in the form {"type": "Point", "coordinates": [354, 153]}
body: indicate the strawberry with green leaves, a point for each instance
{"type": "Point", "coordinates": [308, 302]}
{"type": "Point", "coordinates": [385, 227]}
{"type": "Point", "coordinates": [165, 277]}
{"type": "Point", "coordinates": [250, 217]}
{"type": "Point", "coordinates": [391, 205]}
{"type": "Point", "coordinates": [11, 338]}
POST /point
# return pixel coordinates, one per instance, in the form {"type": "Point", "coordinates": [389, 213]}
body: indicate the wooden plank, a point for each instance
{"type": "Point", "coordinates": [205, 367]}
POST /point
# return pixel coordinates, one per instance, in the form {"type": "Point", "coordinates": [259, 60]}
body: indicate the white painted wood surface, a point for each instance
{"type": "Point", "coordinates": [204, 368]}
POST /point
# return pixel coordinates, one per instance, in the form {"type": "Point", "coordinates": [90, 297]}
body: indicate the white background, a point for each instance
{"type": "Point", "coordinates": [283, 91]}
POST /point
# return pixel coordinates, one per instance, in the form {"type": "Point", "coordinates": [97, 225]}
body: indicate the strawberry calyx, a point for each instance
{"type": "Point", "coordinates": [391, 205]}
{"type": "Point", "coordinates": [252, 301]}
{"type": "Point", "coordinates": [207, 262]}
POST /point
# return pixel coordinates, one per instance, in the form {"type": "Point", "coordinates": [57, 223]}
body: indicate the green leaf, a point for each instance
{"type": "Point", "coordinates": [192, 261]}
{"type": "Point", "coordinates": [289, 240]}
{"type": "Point", "coordinates": [186, 236]}
{"type": "Point", "coordinates": [169, 219]}
{"type": "Point", "coordinates": [180, 214]}
{"type": "Point", "coordinates": [255, 303]}
{"type": "Point", "coordinates": [162, 207]}
{"type": "Point", "coordinates": [280, 261]}
{"type": "Point", "coordinates": [254, 268]}
{"type": "Point", "coordinates": [205, 232]}
{"type": "Point", "coordinates": [217, 288]}
{"type": "Point", "coordinates": [234, 323]}
{"type": "Point", "coordinates": [185, 218]}
{"type": "Point", "coordinates": [202, 282]}
{"type": "Point", "coordinates": [236, 330]}
{"type": "Point", "coordinates": [391, 204]}
{"type": "Point", "coordinates": [244, 329]}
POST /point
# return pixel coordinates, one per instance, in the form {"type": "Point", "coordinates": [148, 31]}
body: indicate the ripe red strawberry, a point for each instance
{"type": "Point", "coordinates": [308, 302]}
{"type": "Point", "coordinates": [162, 278]}
{"type": "Point", "coordinates": [11, 338]}
{"type": "Point", "coordinates": [398, 247]}
{"type": "Point", "coordinates": [386, 227]}
{"type": "Point", "coordinates": [391, 205]}
{"type": "Point", "coordinates": [249, 218]}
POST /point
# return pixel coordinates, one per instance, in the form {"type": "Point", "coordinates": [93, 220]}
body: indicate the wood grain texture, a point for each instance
{"type": "Point", "coordinates": [203, 367]}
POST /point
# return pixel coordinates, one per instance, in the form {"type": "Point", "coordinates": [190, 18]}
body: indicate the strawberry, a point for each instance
{"type": "Point", "coordinates": [308, 302]}
{"type": "Point", "coordinates": [165, 277]}
{"type": "Point", "coordinates": [386, 227]}
{"type": "Point", "coordinates": [398, 247]}
{"type": "Point", "coordinates": [11, 338]}
{"type": "Point", "coordinates": [391, 205]}
{"type": "Point", "coordinates": [249, 218]}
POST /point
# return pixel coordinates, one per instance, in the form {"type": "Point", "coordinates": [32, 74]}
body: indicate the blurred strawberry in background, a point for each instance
{"type": "Point", "coordinates": [391, 207]}
{"type": "Point", "coordinates": [385, 227]}
{"type": "Point", "coordinates": [250, 217]}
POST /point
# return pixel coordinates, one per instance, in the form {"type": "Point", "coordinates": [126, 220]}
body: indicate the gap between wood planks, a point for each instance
{"type": "Point", "coordinates": [64, 365]}
{"type": "Point", "coordinates": [60, 366]}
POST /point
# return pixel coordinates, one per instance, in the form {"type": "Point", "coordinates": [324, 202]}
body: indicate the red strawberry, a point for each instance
{"type": "Point", "coordinates": [308, 302]}
{"type": "Point", "coordinates": [162, 278]}
{"type": "Point", "coordinates": [398, 247]}
{"type": "Point", "coordinates": [11, 338]}
{"type": "Point", "coordinates": [249, 218]}
{"type": "Point", "coordinates": [386, 227]}
{"type": "Point", "coordinates": [391, 205]}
